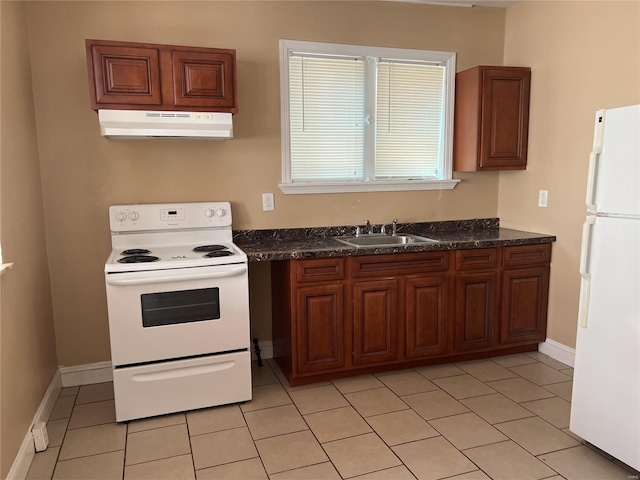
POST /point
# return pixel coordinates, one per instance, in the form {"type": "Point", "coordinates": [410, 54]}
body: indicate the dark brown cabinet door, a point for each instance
{"type": "Point", "coordinates": [147, 76]}
{"type": "Point", "coordinates": [426, 316]}
{"type": "Point", "coordinates": [121, 75]}
{"type": "Point", "coordinates": [492, 118]}
{"type": "Point", "coordinates": [203, 79]}
{"type": "Point", "coordinates": [525, 294]}
{"type": "Point", "coordinates": [476, 310]}
{"type": "Point", "coordinates": [375, 321]}
{"type": "Point", "coordinates": [320, 328]}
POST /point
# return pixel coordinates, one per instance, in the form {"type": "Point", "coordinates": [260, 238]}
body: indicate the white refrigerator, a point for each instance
{"type": "Point", "coordinates": [605, 405]}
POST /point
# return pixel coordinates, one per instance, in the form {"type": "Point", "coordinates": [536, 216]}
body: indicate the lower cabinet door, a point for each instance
{"type": "Point", "coordinates": [476, 311]}
{"type": "Point", "coordinates": [525, 293]}
{"type": "Point", "coordinates": [320, 328]}
{"type": "Point", "coordinates": [375, 321]}
{"type": "Point", "coordinates": [426, 316]}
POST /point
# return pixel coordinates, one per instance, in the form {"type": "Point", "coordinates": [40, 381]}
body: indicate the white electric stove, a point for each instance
{"type": "Point", "coordinates": [178, 304]}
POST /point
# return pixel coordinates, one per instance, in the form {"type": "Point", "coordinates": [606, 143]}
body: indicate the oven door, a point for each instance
{"type": "Point", "coordinates": [169, 314]}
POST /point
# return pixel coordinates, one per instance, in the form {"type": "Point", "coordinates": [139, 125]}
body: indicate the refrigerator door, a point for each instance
{"type": "Point", "coordinates": [614, 165]}
{"type": "Point", "coordinates": [605, 406]}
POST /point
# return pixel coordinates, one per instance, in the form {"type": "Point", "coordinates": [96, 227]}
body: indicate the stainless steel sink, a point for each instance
{"type": "Point", "coordinates": [378, 240]}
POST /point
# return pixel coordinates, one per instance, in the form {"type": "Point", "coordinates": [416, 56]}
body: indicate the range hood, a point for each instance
{"type": "Point", "coordinates": [163, 124]}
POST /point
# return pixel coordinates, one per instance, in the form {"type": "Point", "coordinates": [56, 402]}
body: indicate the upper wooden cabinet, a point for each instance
{"type": "Point", "coordinates": [491, 119]}
{"type": "Point", "coordinates": [145, 76]}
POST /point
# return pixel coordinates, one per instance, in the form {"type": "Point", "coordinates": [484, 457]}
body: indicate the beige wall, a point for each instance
{"type": "Point", "coordinates": [584, 56]}
{"type": "Point", "coordinates": [82, 173]}
{"type": "Point", "coordinates": [28, 355]}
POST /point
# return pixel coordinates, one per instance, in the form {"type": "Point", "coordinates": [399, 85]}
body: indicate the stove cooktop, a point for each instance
{"type": "Point", "coordinates": [171, 257]}
{"type": "Point", "coordinates": [146, 237]}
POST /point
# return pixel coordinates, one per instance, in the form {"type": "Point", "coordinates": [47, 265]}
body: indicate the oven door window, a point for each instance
{"type": "Point", "coordinates": [185, 306]}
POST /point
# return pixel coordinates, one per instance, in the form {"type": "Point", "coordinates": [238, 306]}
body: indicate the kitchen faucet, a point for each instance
{"type": "Point", "coordinates": [367, 224]}
{"type": "Point", "coordinates": [394, 227]}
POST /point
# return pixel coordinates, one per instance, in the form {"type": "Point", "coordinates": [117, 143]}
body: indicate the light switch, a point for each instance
{"type": "Point", "coordinates": [542, 198]}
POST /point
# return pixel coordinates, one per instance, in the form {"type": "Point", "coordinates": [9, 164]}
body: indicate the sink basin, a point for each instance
{"type": "Point", "coordinates": [377, 240]}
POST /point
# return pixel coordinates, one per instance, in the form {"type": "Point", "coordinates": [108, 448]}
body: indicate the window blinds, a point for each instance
{"type": "Point", "coordinates": [326, 124]}
{"type": "Point", "coordinates": [328, 131]}
{"type": "Point", "coordinates": [409, 120]}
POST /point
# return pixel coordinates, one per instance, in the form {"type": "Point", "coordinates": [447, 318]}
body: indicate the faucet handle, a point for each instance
{"type": "Point", "coordinates": [394, 226]}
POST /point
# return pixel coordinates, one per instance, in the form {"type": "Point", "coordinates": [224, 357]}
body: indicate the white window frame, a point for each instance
{"type": "Point", "coordinates": [448, 59]}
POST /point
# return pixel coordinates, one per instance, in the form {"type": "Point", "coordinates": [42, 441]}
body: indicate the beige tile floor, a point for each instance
{"type": "Point", "coordinates": [503, 418]}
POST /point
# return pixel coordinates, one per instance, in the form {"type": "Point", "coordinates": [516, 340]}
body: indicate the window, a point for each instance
{"type": "Point", "coordinates": [358, 118]}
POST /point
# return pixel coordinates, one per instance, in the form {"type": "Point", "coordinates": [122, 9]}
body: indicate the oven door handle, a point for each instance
{"type": "Point", "coordinates": [176, 278]}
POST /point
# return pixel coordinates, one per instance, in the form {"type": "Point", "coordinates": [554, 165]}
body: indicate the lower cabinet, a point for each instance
{"type": "Point", "coordinates": [344, 316]}
{"type": "Point", "coordinates": [525, 294]}
{"type": "Point", "coordinates": [375, 321]}
{"type": "Point", "coordinates": [427, 316]}
{"type": "Point", "coordinates": [476, 310]}
{"type": "Point", "coordinates": [319, 336]}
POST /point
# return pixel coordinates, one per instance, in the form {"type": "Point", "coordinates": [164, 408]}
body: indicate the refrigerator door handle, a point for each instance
{"type": "Point", "coordinates": [585, 285]}
{"type": "Point", "coordinates": [598, 140]}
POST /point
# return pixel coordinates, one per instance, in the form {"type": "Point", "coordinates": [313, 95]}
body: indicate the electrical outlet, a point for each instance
{"type": "Point", "coordinates": [267, 202]}
{"type": "Point", "coordinates": [543, 196]}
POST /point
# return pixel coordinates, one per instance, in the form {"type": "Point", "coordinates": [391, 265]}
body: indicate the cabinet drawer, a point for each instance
{"type": "Point", "coordinates": [477, 259]}
{"type": "Point", "coordinates": [319, 270]}
{"type": "Point", "coordinates": [400, 264]}
{"type": "Point", "coordinates": [527, 255]}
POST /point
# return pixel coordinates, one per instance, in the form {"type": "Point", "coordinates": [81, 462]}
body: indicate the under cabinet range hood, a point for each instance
{"type": "Point", "coordinates": [164, 124]}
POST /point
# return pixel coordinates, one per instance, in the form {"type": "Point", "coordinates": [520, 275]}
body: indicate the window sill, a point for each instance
{"type": "Point", "coordinates": [391, 186]}
{"type": "Point", "coordinates": [5, 267]}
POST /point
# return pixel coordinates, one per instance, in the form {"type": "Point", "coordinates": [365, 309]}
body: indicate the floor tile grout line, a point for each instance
{"type": "Point", "coordinates": [533, 454]}
{"type": "Point", "coordinates": [90, 455]}
{"type": "Point", "coordinates": [66, 430]}
{"type": "Point", "coordinates": [158, 459]}
{"type": "Point", "coordinates": [471, 460]}
{"type": "Point", "coordinates": [193, 460]}
{"type": "Point", "coordinates": [264, 467]}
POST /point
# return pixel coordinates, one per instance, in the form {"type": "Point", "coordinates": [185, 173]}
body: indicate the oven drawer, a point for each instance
{"type": "Point", "coordinates": [167, 387]}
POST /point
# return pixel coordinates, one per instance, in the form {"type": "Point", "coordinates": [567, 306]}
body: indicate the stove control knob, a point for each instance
{"type": "Point", "coordinates": [221, 212]}
{"type": "Point", "coordinates": [209, 212]}
{"type": "Point", "coordinates": [134, 215]}
{"type": "Point", "coordinates": [121, 216]}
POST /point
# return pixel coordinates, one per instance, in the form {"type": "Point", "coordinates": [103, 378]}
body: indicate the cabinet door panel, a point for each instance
{"type": "Point", "coordinates": [505, 118]}
{"type": "Point", "coordinates": [524, 305]}
{"type": "Point", "coordinates": [124, 75]}
{"type": "Point", "coordinates": [375, 323]}
{"type": "Point", "coordinates": [320, 324]}
{"type": "Point", "coordinates": [426, 316]}
{"type": "Point", "coordinates": [476, 310]}
{"type": "Point", "coordinates": [203, 79]}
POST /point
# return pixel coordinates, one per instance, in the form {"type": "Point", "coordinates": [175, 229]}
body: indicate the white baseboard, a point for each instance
{"type": "Point", "coordinates": [86, 374]}
{"type": "Point", "coordinates": [558, 351]}
{"type": "Point", "coordinates": [266, 350]}
{"type": "Point", "coordinates": [25, 454]}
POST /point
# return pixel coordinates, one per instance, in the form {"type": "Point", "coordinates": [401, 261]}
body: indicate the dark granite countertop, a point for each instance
{"type": "Point", "coordinates": [284, 244]}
